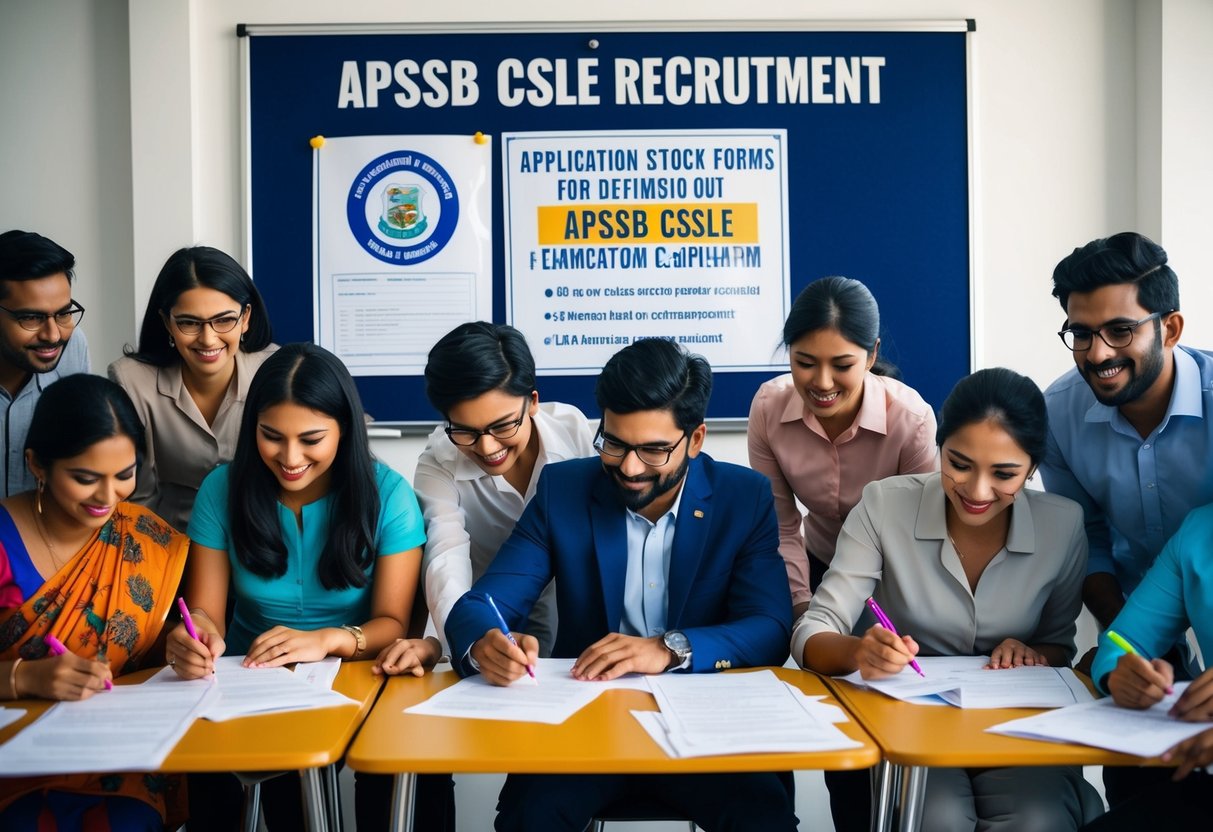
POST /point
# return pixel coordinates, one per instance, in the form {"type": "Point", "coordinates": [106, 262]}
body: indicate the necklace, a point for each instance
{"type": "Point", "coordinates": [954, 546]}
{"type": "Point", "coordinates": [50, 547]}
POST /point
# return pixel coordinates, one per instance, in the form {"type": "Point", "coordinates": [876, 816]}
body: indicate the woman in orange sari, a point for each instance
{"type": "Point", "coordinates": [97, 573]}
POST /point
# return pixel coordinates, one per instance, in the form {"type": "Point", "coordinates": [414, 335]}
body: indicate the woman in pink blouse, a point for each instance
{"type": "Point", "coordinates": [821, 433]}
{"type": "Point", "coordinates": [832, 425]}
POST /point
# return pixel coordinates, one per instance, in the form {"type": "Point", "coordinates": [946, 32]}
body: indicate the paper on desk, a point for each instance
{"type": "Point", "coordinates": [702, 718]}
{"type": "Point", "coordinates": [816, 708]}
{"type": "Point", "coordinates": [247, 691]}
{"type": "Point", "coordinates": [964, 681]}
{"type": "Point", "coordinates": [129, 728]}
{"type": "Point", "coordinates": [322, 674]}
{"type": "Point", "coordinates": [553, 698]}
{"type": "Point", "coordinates": [1103, 724]}
{"type": "Point", "coordinates": [10, 715]}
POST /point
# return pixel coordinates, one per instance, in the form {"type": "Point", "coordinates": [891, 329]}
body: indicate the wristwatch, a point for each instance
{"type": "Point", "coordinates": [359, 639]}
{"type": "Point", "coordinates": [679, 645]}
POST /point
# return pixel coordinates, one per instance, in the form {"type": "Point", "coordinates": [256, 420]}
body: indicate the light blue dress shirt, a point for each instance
{"type": "Point", "coordinates": [297, 598]}
{"type": "Point", "coordinates": [1175, 594]}
{"type": "Point", "coordinates": [1134, 492]}
{"type": "Point", "coordinates": [648, 572]}
{"type": "Point", "coordinates": [17, 412]}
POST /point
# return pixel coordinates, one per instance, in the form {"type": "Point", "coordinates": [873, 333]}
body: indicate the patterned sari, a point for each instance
{"type": "Point", "coordinates": [108, 602]}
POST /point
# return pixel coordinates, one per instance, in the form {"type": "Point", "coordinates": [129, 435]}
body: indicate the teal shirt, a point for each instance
{"type": "Point", "coordinates": [1175, 594]}
{"type": "Point", "coordinates": [297, 598]}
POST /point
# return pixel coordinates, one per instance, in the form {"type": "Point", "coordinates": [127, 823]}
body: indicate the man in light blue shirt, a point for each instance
{"type": "Point", "coordinates": [38, 320]}
{"type": "Point", "coordinates": [1131, 427]}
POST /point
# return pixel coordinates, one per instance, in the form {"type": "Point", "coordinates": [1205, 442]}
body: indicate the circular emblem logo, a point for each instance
{"type": "Point", "coordinates": [403, 207]}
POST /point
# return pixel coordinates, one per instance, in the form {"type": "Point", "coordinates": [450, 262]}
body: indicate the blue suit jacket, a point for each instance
{"type": "Point", "coordinates": [727, 588]}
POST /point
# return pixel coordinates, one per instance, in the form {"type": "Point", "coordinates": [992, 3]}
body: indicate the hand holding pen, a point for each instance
{"type": "Point", "coordinates": [75, 677]}
{"type": "Point", "coordinates": [500, 657]}
{"type": "Point", "coordinates": [190, 653]}
{"type": "Point", "coordinates": [882, 651]}
{"type": "Point", "coordinates": [1137, 682]}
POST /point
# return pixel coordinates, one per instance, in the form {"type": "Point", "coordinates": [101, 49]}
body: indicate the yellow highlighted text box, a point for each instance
{"type": "Point", "coordinates": [687, 222]}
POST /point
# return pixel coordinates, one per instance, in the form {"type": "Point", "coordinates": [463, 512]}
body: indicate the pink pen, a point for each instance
{"type": "Point", "coordinates": [888, 625]}
{"type": "Point", "coordinates": [57, 649]}
{"type": "Point", "coordinates": [186, 618]}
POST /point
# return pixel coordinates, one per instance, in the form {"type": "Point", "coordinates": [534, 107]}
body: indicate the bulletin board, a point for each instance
{"type": "Point", "coordinates": [862, 130]}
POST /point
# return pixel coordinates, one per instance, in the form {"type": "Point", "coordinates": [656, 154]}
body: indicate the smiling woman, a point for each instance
{"type": "Point", "coordinates": [204, 334]}
{"type": "Point", "coordinates": [967, 563]}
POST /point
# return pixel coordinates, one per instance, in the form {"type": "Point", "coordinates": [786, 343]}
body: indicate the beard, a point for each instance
{"type": "Point", "coordinates": [639, 500]}
{"type": "Point", "coordinates": [1142, 375]}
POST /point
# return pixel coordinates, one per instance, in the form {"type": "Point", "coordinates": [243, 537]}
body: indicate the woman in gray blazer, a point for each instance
{"type": "Point", "coordinates": [965, 562]}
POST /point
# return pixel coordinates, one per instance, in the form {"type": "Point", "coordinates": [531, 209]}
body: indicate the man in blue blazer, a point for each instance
{"type": "Point", "coordinates": [664, 560]}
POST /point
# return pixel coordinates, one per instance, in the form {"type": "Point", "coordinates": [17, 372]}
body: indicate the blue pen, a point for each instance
{"type": "Point", "coordinates": [530, 669]}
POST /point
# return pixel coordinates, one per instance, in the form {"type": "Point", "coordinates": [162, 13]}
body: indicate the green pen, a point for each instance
{"type": "Point", "coordinates": [1121, 642]}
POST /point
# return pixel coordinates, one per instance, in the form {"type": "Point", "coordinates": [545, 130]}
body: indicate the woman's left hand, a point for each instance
{"type": "Point", "coordinates": [282, 645]}
{"type": "Point", "coordinates": [1014, 653]}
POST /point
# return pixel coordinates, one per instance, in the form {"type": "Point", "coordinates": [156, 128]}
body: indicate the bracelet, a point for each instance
{"type": "Point", "coordinates": [359, 639]}
{"type": "Point", "coordinates": [11, 693]}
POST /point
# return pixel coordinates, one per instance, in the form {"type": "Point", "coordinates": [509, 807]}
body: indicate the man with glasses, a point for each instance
{"type": "Point", "coordinates": [38, 320]}
{"type": "Point", "coordinates": [1131, 427]}
{"type": "Point", "coordinates": [664, 560]}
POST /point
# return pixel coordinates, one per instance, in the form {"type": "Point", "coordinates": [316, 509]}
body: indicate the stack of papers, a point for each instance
{"type": "Point", "coordinates": [1103, 724]}
{"type": "Point", "coordinates": [700, 717]}
{"type": "Point", "coordinates": [129, 728]}
{"type": "Point", "coordinates": [246, 691]}
{"type": "Point", "coordinates": [965, 682]}
{"type": "Point", "coordinates": [551, 698]}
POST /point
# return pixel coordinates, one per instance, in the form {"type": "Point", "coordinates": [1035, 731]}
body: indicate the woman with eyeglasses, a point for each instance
{"type": "Point", "coordinates": [965, 562]}
{"type": "Point", "coordinates": [204, 334]}
{"type": "Point", "coordinates": [478, 471]}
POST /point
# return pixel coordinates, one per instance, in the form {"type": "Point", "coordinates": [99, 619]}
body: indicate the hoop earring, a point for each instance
{"type": "Point", "coordinates": [38, 496]}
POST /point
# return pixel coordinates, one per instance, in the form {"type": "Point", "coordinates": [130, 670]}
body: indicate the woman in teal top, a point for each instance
{"type": "Point", "coordinates": [318, 544]}
{"type": "Point", "coordinates": [1177, 593]}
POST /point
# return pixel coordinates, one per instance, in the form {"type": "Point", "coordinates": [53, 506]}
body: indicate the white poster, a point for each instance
{"type": "Point", "coordinates": [614, 236]}
{"type": "Point", "coordinates": [403, 246]}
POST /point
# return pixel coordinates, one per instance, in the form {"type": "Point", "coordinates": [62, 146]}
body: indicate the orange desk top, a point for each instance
{"type": "Point", "coordinates": [602, 738]}
{"type": "Point", "coordinates": [269, 742]}
{"type": "Point", "coordinates": [937, 736]}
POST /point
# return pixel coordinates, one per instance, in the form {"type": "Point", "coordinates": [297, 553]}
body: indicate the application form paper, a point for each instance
{"type": "Point", "coordinates": [551, 698]}
{"type": "Point", "coordinates": [129, 728]}
{"type": "Point", "coordinates": [1104, 724]}
{"type": "Point", "coordinates": [965, 682]}
{"type": "Point", "coordinates": [700, 716]}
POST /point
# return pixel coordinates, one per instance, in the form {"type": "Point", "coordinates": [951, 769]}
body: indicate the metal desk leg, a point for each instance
{"type": "Point", "coordinates": [252, 807]}
{"type": "Point", "coordinates": [332, 798]}
{"type": "Point", "coordinates": [914, 790]}
{"type": "Point", "coordinates": [313, 800]}
{"type": "Point", "coordinates": [404, 793]}
{"type": "Point", "coordinates": [882, 807]}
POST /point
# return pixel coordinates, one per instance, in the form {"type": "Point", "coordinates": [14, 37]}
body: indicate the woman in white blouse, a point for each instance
{"type": "Point", "coordinates": [478, 471]}
{"type": "Point", "coordinates": [965, 562]}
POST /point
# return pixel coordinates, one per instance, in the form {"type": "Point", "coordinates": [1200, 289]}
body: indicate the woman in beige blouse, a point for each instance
{"type": "Point", "coordinates": [204, 334]}
{"type": "Point", "coordinates": [965, 562]}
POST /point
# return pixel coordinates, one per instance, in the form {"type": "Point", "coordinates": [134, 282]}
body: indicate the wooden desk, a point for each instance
{"type": "Point", "coordinates": [307, 741]}
{"type": "Point", "coordinates": [913, 738]}
{"type": "Point", "coordinates": [602, 738]}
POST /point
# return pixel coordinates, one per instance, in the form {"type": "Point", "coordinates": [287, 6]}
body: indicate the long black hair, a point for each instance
{"type": "Point", "coordinates": [843, 304]}
{"type": "Point", "coordinates": [311, 377]}
{"type": "Point", "coordinates": [192, 268]}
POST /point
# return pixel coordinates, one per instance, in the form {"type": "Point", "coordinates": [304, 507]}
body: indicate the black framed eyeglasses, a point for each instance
{"type": "Point", "coordinates": [66, 318]}
{"type": "Point", "coordinates": [501, 430]}
{"type": "Point", "coordinates": [652, 455]}
{"type": "Point", "coordinates": [220, 323]}
{"type": "Point", "coordinates": [1116, 336]}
